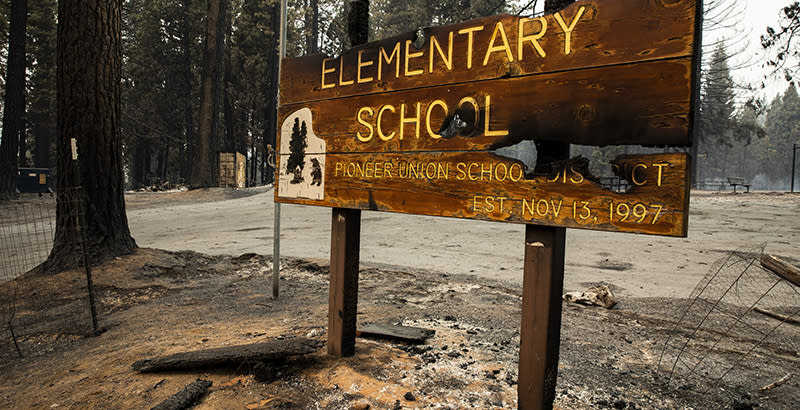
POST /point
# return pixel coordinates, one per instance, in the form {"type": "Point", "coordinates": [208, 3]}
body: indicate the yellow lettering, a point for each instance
{"type": "Point", "coordinates": [472, 164]}
{"type": "Point", "coordinates": [486, 171]}
{"type": "Point", "coordinates": [448, 61]}
{"type": "Point", "coordinates": [362, 64]}
{"type": "Point", "coordinates": [428, 173]}
{"type": "Point", "coordinates": [486, 130]}
{"type": "Point", "coordinates": [489, 204]}
{"type": "Point", "coordinates": [369, 170]}
{"type": "Point", "coordinates": [470, 31]}
{"type": "Point", "coordinates": [521, 172]}
{"type": "Point", "coordinates": [443, 171]}
{"type": "Point", "coordinates": [505, 172]}
{"type": "Point", "coordinates": [568, 30]}
{"type": "Point", "coordinates": [532, 38]}
{"type": "Point", "coordinates": [342, 81]}
{"type": "Point", "coordinates": [660, 166]}
{"type": "Point", "coordinates": [474, 105]}
{"type": "Point", "coordinates": [388, 58]}
{"type": "Point", "coordinates": [327, 71]}
{"type": "Point", "coordinates": [411, 120]}
{"type": "Point", "coordinates": [475, 200]}
{"type": "Point", "coordinates": [339, 167]}
{"type": "Point", "coordinates": [381, 135]}
{"type": "Point", "coordinates": [387, 169]}
{"type": "Point", "coordinates": [409, 56]}
{"type": "Point", "coordinates": [364, 123]}
{"type": "Point", "coordinates": [498, 28]}
{"type": "Point", "coordinates": [576, 177]}
{"type": "Point", "coordinates": [546, 207]}
{"type": "Point", "coordinates": [435, 103]}
{"type": "Point", "coordinates": [462, 171]}
{"type": "Point", "coordinates": [556, 209]}
{"type": "Point", "coordinates": [526, 207]}
{"type": "Point", "coordinates": [633, 174]}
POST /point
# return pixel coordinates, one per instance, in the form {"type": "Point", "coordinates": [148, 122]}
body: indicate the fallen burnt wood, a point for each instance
{"type": "Point", "coordinates": [272, 350]}
{"type": "Point", "coordinates": [185, 398]}
{"type": "Point", "coordinates": [395, 332]}
{"type": "Point", "coordinates": [778, 316]}
{"type": "Point", "coordinates": [780, 267]}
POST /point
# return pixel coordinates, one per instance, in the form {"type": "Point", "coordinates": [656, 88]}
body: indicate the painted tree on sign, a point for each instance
{"type": "Point", "coordinates": [297, 148]}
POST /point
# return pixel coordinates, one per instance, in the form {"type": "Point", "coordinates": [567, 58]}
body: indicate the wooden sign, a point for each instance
{"type": "Point", "coordinates": [413, 123]}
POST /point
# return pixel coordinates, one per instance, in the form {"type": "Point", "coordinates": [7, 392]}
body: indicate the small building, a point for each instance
{"type": "Point", "coordinates": [232, 170]}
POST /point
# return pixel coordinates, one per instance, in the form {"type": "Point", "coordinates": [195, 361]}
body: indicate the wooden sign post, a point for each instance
{"type": "Point", "coordinates": [422, 123]}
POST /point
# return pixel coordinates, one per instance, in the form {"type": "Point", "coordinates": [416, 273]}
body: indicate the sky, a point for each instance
{"type": "Point", "coordinates": [758, 14]}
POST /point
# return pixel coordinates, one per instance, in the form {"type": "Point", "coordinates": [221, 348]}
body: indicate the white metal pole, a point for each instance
{"type": "Point", "coordinates": [276, 230]}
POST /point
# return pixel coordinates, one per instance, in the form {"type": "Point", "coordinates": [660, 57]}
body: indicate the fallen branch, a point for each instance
{"type": "Point", "coordinates": [230, 356]}
{"type": "Point", "coordinates": [777, 383]}
{"type": "Point", "coordinates": [775, 315]}
{"type": "Point", "coordinates": [185, 398]}
{"type": "Point", "coordinates": [780, 267]}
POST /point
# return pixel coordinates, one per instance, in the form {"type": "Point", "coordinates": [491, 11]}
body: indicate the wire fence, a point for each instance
{"type": "Point", "coordinates": [35, 305]}
{"type": "Point", "coordinates": [740, 332]}
{"type": "Point", "coordinates": [27, 226]}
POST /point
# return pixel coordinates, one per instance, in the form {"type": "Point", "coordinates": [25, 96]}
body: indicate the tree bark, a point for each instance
{"type": "Point", "coordinates": [88, 95]}
{"type": "Point", "coordinates": [188, 121]}
{"type": "Point", "coordinates": [312, 41]}
{"type": "Point", "coordinates": [203, 160]}
{"type": "Point", "coordinates": [14, 108]}
{"type": "Point", "coordinates": [273, 59]}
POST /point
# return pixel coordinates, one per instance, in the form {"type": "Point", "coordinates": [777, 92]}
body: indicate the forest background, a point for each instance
{"type": "Point", "coordinates": [169, 44]}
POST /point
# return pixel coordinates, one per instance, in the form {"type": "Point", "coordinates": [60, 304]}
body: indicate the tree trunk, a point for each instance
{"type": "Point", "coordinates": [231, 141]}
{"type": "Point", "coordinates": [188, 121]}
{"type": "Point", "coordinates": [14, 108]}
{"type": "Point", "coordinates": [312, 41]}
{"type": "Point", "coordinates": [88, 94]}
{"type": "Point", "coordinates": [209, 95]}
{"type": "Point", "coordinates": [43, 138]}
{"type": "Point", "coordinates": [273, 59]}
{"type": "Point", "coordinates": [22, 159]}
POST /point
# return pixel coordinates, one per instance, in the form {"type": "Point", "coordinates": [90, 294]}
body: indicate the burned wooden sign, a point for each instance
{"type": "Point", "coordinates": [413, 123]}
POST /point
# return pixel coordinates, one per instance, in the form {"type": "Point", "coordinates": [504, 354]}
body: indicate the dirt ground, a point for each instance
{"type": "Point", "coordinates": [639, 265]}
{"type": "Point", "coordinates": [158, 302]}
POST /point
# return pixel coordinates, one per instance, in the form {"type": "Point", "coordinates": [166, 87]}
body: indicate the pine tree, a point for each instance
{"type": "Point", "coordinates": [14, 103]}
{"type": "Point", "coordinates": [89, 110]}
{"type": "Point", "coordinates": [297, 149]}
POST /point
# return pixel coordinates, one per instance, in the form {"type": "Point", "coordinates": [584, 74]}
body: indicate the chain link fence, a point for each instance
{"type": "Point", "coordinates": [46, 306]}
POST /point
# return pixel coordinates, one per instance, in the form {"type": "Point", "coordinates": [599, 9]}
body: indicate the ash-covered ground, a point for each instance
{"type": "Point", "coordinates": [155, 303]}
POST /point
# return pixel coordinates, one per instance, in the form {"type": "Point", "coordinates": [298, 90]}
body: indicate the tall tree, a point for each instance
{"type": "Point", "coordinates": [89, 72]}
{"type": "Point", "coordinates": [203, 168]}
{"type": "Point", "coordinates": [14, 107]}
{"type": "Point", "coordinates": [42, 86]}
{"type": "Point", "coordinates": [312, 33]}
